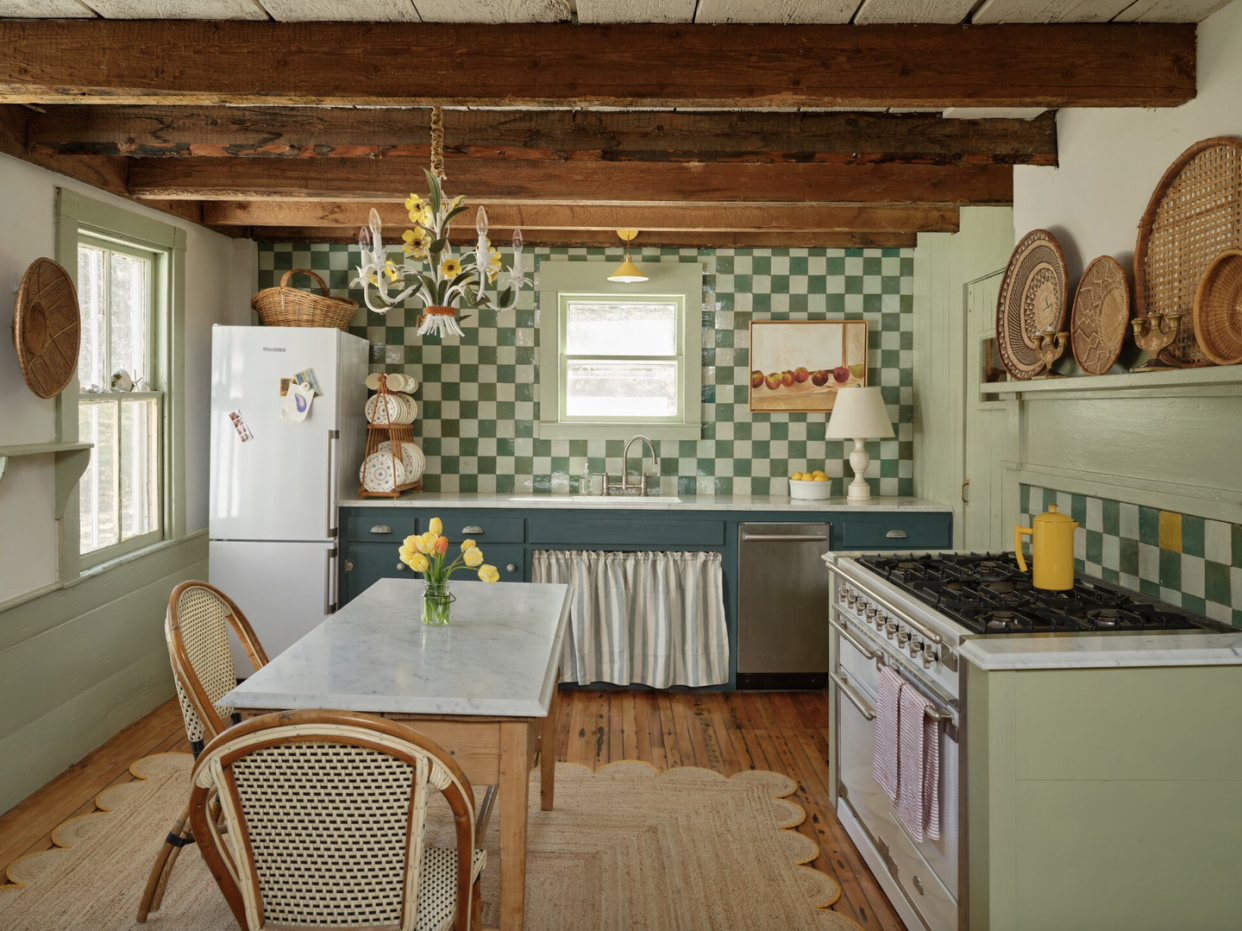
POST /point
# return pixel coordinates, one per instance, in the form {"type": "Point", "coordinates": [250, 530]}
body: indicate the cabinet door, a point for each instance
{"type": "Point", "coordinates": [365, 564]}
{"type": "Point", "coordinates": [510, 561]}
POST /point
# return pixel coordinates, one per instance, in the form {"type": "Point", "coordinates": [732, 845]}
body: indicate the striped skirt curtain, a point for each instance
{"type": "Point", "coordinates": [653, 619]}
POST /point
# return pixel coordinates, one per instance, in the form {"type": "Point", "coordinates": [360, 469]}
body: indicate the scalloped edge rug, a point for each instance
{"type": "Point", "coordinates": [627, 847]}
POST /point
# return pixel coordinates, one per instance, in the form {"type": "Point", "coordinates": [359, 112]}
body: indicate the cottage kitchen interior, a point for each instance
{"type": "Point", "coordinates": [828, 415]}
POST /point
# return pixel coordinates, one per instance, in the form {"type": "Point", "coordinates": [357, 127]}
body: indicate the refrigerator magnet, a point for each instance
{"type": "Point", "coordinates": [307, 377]}
{"type": "Point", "coordinates": [284, 386]}
{"type": "Point", "coordinates": [239, 424]}
{"type": "Point", "coordinates": [297, 402]}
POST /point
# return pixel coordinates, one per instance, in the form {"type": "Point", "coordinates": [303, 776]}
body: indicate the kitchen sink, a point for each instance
{"type": "Point", "coordinates": [601, 501]}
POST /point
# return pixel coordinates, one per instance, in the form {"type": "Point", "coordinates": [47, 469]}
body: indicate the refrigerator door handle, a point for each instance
{"type": "Point", "coordinates": [330, 582]}
{"type": "Point", "coordinates": [333, 466]}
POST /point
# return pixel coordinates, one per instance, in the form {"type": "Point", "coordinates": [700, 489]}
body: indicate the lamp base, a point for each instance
{"type": "Point", "coordinates": [858, 490]}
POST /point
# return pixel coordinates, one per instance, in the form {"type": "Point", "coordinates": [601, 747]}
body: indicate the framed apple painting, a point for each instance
{"type": "Point", "coordinates": [798, 366]}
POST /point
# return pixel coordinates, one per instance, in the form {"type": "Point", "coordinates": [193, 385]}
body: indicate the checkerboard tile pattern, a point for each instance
{"type": "Point", "coordinates": [479, 395]}
{"type": "Point", "coordinates": [1179, 558]}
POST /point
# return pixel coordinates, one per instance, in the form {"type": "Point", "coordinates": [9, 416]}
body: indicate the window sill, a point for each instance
{"type": "Point", "coordinates": [133, 556]}
{"type": "Point", "coordinates": [551, 430]}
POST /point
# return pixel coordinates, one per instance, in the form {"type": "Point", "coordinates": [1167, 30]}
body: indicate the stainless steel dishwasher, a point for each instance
{"type": "Point", "coordinates": [782, 606]}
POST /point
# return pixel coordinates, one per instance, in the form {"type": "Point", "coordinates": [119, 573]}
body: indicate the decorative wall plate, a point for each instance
{"type": "Point", "coordinates": [47, 328]}
{"type": "Point", "coordinates": [1032, 300]}
{"type": "Point", "coordinates": [1191, 219]}
{"type": "Point", "coordinates": [1101, 316]}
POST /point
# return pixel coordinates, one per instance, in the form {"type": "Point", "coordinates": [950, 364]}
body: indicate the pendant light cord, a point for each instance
{"type": "Point", "coordinates": [437, 142]}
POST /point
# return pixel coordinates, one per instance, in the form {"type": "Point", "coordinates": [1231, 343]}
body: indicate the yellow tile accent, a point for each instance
{"type": "Point", "coordinates": [1171, 531]}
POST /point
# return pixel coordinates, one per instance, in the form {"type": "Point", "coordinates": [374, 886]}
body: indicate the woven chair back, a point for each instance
{"type": "Point", "coordinates": [196, 630]}
{"type": "Point", "coordinates": [324, 814]}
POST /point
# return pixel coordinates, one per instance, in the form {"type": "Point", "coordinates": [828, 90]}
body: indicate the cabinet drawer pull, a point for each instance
{"type": "Point", "coordinates": [349, 565]}
{"type": "Point", "coordinates": [400, 567]}
{"type": "Point", "coordinates": [381, 528]}
{"type": "Point", "coordinates": [511, 568]}
{"type": "Point", "coordinates": [473, 530]}
{"type": "Point", "coordinates": [896, 534]}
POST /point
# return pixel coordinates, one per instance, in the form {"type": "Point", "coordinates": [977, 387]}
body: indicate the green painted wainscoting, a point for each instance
{"type": "Point", "coordinates": [479, 396]}
{"type": "Point", "coordinates": [80, 662]}
{"type": "Point", "coordinates": [1180, 558]}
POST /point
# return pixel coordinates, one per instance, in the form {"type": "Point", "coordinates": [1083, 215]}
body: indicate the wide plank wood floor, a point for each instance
{"type": "Point", "coordinates": [786, 732]}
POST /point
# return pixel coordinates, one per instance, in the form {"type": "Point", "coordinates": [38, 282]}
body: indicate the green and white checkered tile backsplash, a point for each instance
{"type": "Point", "coordinates": [1178, 558]}
{"type": "Point", "coordinates": [479, 396]}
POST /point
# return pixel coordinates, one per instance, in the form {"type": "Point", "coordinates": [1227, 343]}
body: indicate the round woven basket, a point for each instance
{"type": "Point", "coordinates": [1218, 309]}
{"type": "Point", "coordinates": [286, 306]}
{"type": "Point", "coordinates": [47, 328]}
{"type": "Point", "coordinates": [1032, 301]}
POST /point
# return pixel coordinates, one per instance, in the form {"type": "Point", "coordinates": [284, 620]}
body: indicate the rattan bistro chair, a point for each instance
{"type": "Point", "coordinates": [198, 646]}
{"type": "Point", "coordinates": [325, 814]}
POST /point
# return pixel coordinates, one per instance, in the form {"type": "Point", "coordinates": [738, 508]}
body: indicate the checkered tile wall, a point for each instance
{"type": "Point", "coordinates": [479, 395]}
{"type": "Point", "coordinates": [1178, 558]}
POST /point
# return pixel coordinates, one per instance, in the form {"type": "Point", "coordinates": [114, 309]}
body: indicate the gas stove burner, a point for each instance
{"type": "Point", "coordinates": [985, 593]}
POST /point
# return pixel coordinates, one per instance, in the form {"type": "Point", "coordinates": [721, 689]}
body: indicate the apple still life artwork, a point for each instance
{"type": "Point", "coordinates": [799, 365]}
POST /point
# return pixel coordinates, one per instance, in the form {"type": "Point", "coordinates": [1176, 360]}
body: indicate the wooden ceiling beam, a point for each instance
{"type": "Point", "coordinates": [728, 66]}
{"type": "Point", "coordinates": [523, 182]}
{"type": "Point", "coordinates": [793, 218]}
{"type": "Point", "coordinates": [643, 136]}
{"type": "Point", "coordinates": [680, 239]}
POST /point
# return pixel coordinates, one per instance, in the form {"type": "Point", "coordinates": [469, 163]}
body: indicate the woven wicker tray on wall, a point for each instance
{"type": "Point", "coordinates": [1194, 215]}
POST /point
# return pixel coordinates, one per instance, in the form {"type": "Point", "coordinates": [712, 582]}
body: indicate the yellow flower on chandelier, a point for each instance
{"type": "Point", "coordinates": [450, 268]}
{"type": "Point", "coordinates": [414, 242]}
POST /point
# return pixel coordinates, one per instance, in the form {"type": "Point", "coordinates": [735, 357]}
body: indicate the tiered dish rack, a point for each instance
{"type": "Point", "coordinates": [395, 434]}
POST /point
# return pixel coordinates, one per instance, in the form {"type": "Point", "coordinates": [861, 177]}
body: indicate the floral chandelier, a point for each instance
{"type": "Point", "coordinates": [437, 278]}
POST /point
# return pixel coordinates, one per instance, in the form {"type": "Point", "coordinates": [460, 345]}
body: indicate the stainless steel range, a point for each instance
{"type": "Point", "coordinates": [912, 613]}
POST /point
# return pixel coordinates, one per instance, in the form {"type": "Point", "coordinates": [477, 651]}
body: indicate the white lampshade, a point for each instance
{"type": "Point", "coordinates": [859, 413]}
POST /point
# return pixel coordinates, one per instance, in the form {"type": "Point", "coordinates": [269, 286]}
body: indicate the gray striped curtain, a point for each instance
{"type": "Point", "coordinates": [653, 619]}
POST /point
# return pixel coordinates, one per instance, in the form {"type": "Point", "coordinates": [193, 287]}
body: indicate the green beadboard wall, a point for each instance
{"type": "Point", "coordinates": [1179, 558]}
{"type": "Point", "coordinates": [479, 396]}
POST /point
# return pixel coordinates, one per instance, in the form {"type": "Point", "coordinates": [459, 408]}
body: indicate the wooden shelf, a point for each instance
{"type": "Point", "coordinates": [1212, 376]}
{"type": "Point", "coordinates": [71, 461]}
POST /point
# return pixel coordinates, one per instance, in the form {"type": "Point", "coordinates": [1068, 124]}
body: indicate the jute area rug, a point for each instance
{"type": "Point", "coordinates": [626, 848]}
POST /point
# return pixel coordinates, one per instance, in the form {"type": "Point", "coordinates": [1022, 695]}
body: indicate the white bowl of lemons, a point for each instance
{"type": "Point", "coordinates": [813, 486]}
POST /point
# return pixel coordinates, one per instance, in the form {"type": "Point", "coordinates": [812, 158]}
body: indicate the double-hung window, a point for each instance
{"type": "Point", "coordinates": [618, 359]}
{"type": "Point", "coordinates": [120, 494]}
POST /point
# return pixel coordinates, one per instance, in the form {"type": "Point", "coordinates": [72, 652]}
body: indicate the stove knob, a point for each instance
{"type": "Point", "coordinates": [903, 637]}
{"type": "Point", "coordinates": [853, 596]}
{"type": "Point", "coordinates": [929, 657]}
{"type": "Point", "coordinates": [870, 611]}
{"type": "Point", "coordinates": [916, 647]}
{"type": "Point", "coordinates": [843, 593]}
{"type": "Point", "coordinates": [880, 619]}
{"type": "Point", "coordinates": [889, 629]}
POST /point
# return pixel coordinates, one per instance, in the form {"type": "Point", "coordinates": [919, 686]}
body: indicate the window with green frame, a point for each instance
{"type": "Point", "coordinates": [121, 492]}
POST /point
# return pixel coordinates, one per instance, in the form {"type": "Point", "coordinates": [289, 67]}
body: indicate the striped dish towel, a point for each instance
{"type": "Point", "coordinates": [918, 792]}
{"type": "Point", "coordinates": [884, 765]}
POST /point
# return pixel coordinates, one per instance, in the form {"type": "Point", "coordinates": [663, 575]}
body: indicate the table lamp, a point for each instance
{"type": "Point", "coordinates": [859, 414]}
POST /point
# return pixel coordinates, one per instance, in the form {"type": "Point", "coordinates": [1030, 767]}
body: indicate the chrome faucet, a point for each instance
{"type": "Point", "coordinates": [624, 484]}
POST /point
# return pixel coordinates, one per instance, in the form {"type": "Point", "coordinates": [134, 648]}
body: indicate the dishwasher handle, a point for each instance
{"type": "Point", "coordinates": [784, 537]}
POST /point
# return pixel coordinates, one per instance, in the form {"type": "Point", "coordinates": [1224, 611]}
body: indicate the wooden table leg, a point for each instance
{"type": "Point", "coordinates": [547, 750]}
{"type": "Point", "coordinates": [514, 788]}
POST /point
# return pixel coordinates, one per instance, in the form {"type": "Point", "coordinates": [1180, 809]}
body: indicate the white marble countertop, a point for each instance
{"type": "Point", "coordinates": [1084, 651]}
{"type": "Point", "coordinates": [518, 501]}
{"type": "Point", "coordinates": [497, 657]}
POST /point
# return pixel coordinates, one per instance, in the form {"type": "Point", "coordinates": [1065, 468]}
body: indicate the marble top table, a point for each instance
{"type": "Point", "coordinates": [484, 688]}
{"type": "Point", "coordinates": [497, 657]}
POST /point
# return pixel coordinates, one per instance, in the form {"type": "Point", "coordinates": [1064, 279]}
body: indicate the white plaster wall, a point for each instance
{"type": "Point", "coordinates": [1111, 160]}
{"type": "Point", "coordinates": [220, 275]}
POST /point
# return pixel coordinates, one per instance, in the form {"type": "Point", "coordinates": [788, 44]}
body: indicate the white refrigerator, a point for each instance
{"type": "Point", "coordinates": [276, 480]}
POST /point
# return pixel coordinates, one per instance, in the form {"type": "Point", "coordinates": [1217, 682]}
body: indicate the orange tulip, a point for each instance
{"type": "Point", "coordinates": [442, 545]}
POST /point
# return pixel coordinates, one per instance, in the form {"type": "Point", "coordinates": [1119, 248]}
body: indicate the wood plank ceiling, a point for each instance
{"type": "Point", "coordinates": [839, 124]}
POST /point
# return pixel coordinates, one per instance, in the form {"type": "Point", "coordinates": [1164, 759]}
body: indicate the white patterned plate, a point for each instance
{"type": "Point", "coordinates": [378, 474]}
{"type": "Point", "coordinates": [411, 457]}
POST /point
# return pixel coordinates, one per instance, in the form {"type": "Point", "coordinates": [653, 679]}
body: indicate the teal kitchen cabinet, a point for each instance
{"type": "Point", "coordinates": [508, 537]}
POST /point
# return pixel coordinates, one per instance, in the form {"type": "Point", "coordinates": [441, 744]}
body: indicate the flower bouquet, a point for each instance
{"type": "Point", "coordinates": [427, 553]}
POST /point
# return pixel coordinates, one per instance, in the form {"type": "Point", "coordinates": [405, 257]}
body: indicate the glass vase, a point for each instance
{"type": "Point", "coordinates": [437, 604]}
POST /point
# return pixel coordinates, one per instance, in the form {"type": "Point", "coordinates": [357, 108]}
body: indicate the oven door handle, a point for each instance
{"type": "Point", "coordinates": [935, 711]}
{"type": "Point", "coordinates": [849, 693]}
{"type": "Point", "coordinates": [851, 639]}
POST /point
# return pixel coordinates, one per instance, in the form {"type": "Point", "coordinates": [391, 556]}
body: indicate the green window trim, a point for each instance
{"type": "Point", "coordinates": [671, 282]}
{"type": "Point", "coordinates": [76, 216]}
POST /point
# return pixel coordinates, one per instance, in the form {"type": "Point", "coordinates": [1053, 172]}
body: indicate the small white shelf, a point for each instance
{"type": "Point", "coordinates": [1212, 376]}
{"type": "Point", "coordinates": [71, 461]}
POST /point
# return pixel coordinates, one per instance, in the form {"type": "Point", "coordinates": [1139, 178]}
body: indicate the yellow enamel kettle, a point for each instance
{"type": "Point", "coordinates": [1052, 549]}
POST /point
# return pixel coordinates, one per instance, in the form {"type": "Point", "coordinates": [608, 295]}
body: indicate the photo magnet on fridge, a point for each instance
{"type": "Point", "coordinates": [307, 377]}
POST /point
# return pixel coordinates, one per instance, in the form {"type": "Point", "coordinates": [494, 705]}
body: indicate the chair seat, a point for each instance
{"type": "Point", "coordinates": [437, 888]}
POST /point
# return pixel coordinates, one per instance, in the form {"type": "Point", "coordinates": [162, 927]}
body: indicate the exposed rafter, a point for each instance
{"type": "Point", "coordinates": [644, 136]}
{"type": "Point", "coordinates": [932, 66]}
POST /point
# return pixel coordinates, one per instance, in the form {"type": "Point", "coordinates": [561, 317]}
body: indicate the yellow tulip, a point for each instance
{"type": "Point", "coordinates": [426, 543]}
{"type": "Point", "coordinates": [436, 526]}
{"type": "Point", "coordinates": [408, 553]}
{"type": "Point", "coordinates": [420, 563]}
{"type": "Point", "coordinates": [489, 574]}
{"type": "Point", "coordinates": [468, 544]}
{"type": "Point", "coordinates": [410, 541]}
{"type": "Point", "coordinates": [473, 558]}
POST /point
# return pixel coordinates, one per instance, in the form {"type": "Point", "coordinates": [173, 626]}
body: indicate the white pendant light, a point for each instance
{"type": "Point", "coordinates": [627, 272]}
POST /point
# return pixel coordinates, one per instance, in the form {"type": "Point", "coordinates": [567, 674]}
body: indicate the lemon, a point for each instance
{"type": "Point", "coordinates": [819, 474]}
{"type": "Point", "coordinates": [821, 477]}
{"type": "Point", "coordinates": [797, 477]}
